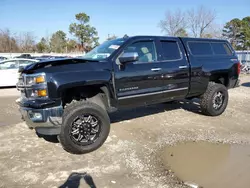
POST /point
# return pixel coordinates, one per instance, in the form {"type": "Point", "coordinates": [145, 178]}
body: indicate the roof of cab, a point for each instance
{"type": "Point", "coordinates": [202, 39]}
{"type": "Point", "coordinates": [184, 38]}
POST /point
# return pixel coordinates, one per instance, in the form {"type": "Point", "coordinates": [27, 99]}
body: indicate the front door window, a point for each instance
{"type": "Point", "coordinates": [145, 49]}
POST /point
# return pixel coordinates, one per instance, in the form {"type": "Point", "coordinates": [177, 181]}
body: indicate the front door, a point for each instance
{"type": "Point", "coordinates": [139, 83]}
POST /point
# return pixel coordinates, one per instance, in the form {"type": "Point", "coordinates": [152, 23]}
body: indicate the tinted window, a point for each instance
{"type": "Point", "coordinates": [220, 48]}
{"type": "Point", "coordinates": [145, 50]}
{"type": "Point", "coordinates": [200, 48]}
{"type": "Point", "coordinates": [170, 50]}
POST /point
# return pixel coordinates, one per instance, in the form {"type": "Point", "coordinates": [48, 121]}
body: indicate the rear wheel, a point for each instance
{"type": "Point", "coordinates": [214, 101]}
{"type": "Point", "coordinates": [85, 127]}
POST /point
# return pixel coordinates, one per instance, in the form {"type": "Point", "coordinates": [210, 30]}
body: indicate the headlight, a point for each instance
{"type": "Point", "coordinates": [36, 85]}
{"type": "Point", "coordinates": [35, 79]}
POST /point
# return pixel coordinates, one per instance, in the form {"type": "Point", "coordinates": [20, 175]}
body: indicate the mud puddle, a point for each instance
{"type": "Point", "coordinates": [210, 165]}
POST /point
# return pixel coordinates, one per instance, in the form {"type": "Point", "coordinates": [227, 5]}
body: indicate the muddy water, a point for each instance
{"type": "Point", "coordinates": [210, 165]}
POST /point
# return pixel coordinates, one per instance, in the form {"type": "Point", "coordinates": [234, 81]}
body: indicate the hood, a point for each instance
{"type": "Point", "coordinates": [55, 62]}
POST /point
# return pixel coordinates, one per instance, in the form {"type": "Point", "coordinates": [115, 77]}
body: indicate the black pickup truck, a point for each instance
{"type": "Point", "coordinates": [71, 98]}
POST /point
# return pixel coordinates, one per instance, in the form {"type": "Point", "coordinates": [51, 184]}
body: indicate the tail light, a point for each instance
{"type": "Point", "coordinates": [238, 68]}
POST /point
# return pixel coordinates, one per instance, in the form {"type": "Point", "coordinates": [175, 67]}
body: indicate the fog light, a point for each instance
{"type": "Point", "coordinates": [38, 116]}
{"type": "Point", "coordinates": [35, 115]}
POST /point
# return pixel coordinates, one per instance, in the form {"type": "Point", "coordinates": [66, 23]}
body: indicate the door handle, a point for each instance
{"type": "Point", "coordinates": [183, 67]}
{"type": "Point", "coordinates": [155, 69]}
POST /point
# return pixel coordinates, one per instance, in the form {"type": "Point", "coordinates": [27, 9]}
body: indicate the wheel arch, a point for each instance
{"type": "Point", "coordinates": [220, 78]}
{"type": "Point", "coordinates": [83, 92]}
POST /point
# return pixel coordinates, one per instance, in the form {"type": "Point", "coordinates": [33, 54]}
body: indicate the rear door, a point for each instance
{"type": "Point", "coordinates": [175, 68]}
{"type": "Point", "coordinates": [139, 83]}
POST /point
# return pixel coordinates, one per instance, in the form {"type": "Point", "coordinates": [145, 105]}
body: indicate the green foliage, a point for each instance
{"type": "Point", "coordinates": [58, 42]}
{"type": "Point", "coordinates": [238, 33]}
{"type": "Point", "coordinates": [42, 46]}
{"type": "Point", "coordinates": [71, 45]}
{"type": "Point", "coordinates": [246, 31]}
{"type": "Point", "coordinates": [86, 34]}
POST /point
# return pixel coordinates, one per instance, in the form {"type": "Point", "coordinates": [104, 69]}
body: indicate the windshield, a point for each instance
{"type": "Point", "coordinates": [104, 50]}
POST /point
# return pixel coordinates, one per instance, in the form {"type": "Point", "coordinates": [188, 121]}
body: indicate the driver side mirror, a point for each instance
{"type": "Point", "coordinates": [129, 57]}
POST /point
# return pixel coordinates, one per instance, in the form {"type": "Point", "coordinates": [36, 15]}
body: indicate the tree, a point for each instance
{"type": "Point", "coordinates": [86, 34]}
{"type": "Point", "coordinates": [71, 45]}
{"type": "Point", "coordinates": [233, 32]}
{"type": "Point", "coordinates": [196, 22]}
{"type": "Point", "coordinates": [42, 46]}
{"type": "Point", "coordinates": [181, 33]}
{"type": "Point", "coordinates": [58, 42]}
{"type": "Point", "coordinates": [112, 37]}
{"type": "Point", "coordinates": [214, 31]}
{"type": "Point", "coordinates": [174, 23]}
{"type": "Point", "coordinates": [27, 42]}
{"type": "Point", "coordinates": [8, 42]}
{"type": "Point", "coordinates": [246, 32]}
{"type": "Point", "coordinates": [200, 20]}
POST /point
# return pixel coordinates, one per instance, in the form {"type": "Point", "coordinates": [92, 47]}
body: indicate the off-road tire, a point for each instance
{"type": "Point", "coordinates": [77, 108]}
{"type": "Point", "coordinates": [208, 97]}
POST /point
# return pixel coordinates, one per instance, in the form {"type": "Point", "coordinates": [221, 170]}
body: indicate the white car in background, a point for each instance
{"type": "Point", "coordinates": [9, 70]}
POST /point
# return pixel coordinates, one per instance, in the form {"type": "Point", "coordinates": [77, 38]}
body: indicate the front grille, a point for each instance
{"type": "Point", "coordinates": [20, 82]}
{"type": "Point", "coordinates": [20, 85]}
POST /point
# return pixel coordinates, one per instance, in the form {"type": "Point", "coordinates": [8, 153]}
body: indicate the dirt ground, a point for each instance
{"type": "Point", "coordinates": [131, 155]}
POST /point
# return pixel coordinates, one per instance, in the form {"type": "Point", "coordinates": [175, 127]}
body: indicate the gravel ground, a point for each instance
{"type": "Point", "coordinates": [8, 92]}
{"type": "Point", "coordinates": [131, 155]}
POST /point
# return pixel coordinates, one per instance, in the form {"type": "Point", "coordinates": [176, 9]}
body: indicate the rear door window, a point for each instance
{"type": "Point", "coordinates": [170, 50]}
{"type": "Point", "coordinates": [221, 48]}
{"type": "Point", "coordinates": [200, 48]}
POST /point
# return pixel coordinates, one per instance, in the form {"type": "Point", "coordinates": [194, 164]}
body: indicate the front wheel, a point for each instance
{"type": "Point", "coordinates": [85, 127]}
{"type": "Point", "coordinates": [214, 101]}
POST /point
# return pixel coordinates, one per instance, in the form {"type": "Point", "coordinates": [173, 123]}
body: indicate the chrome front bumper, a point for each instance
{"type": "Point", "coordinates": [41, 118]}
